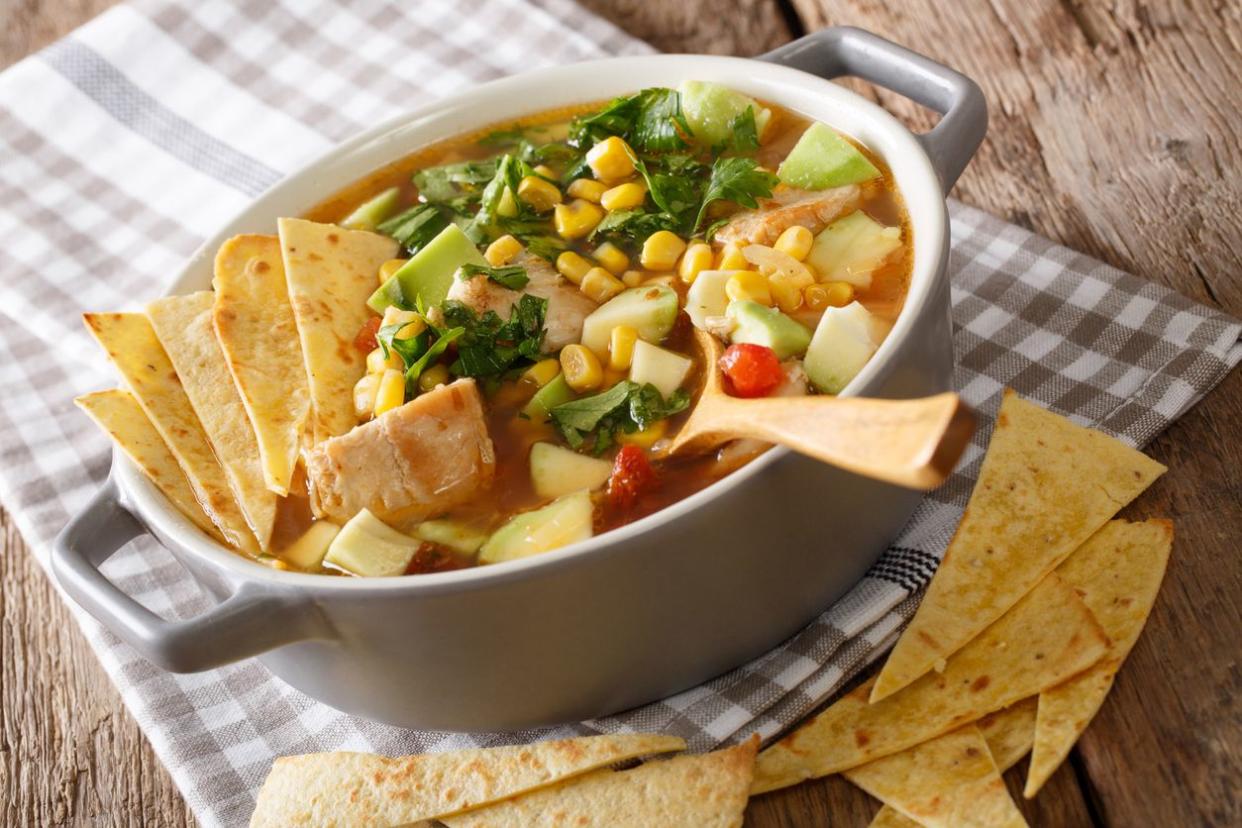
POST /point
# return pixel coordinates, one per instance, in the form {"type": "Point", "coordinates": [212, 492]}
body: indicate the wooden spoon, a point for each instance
{"type": "Point", "coordinates": [912, 443]}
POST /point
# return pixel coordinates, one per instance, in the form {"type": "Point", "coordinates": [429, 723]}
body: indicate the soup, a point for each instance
{"type": "Point", "coordinates": [525, 302]}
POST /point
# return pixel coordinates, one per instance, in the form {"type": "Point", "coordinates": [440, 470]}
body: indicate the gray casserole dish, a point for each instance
{"type": "Point", "coordinates": [627, 617]}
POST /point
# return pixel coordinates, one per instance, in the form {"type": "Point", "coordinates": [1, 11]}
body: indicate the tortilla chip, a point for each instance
{"type": "Point", "coordinates": [122, 419]}
{"type": "Point", "coordinates": [131, 344]}
{"type": "Point", "coordinates": [331, 272]}
{"type": "Point", "coordinates": [254, 325]}
{"type": "Point", "coordinates": [707, 791]}
{"type": "Point", "coordinates": [1008, 734]}
{"type": "Point", "coordinates": [364, 789]}
{"type": "Point", "coordinates": [1117, 574]}
{"type": "Point", "coordinates": [1048, 637]}
{"type": "Point", "coordinates": [1046, 485]}
{"type": "Point", "coordinates": [183, 325]}
{"type": "Point", "coordinates": [948, 782]}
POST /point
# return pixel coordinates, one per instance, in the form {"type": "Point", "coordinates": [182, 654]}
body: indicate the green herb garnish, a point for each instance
{"type": "Point", "coordinates": [513, 277]}
{"type": "Point", "coordinates": [490, 346]}
{"type": "Point", "coordinates": [649, 120]}
{"type": "Point", "coordinates": [415, 227]}
{"type": "Point", "coordinates": [625, 408]}
{"type": "Point", "coordinates": [737, 179]}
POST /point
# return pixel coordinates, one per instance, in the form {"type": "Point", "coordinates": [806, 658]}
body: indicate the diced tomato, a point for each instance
{"type": "Point", "coordinates": [750, 370]}
{"type": "Point", "coordinates": [632, 475]}
{"type": "Point", "coordinates": [365, 340]}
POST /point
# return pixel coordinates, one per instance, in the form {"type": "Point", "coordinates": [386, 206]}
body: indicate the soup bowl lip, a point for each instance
{"type": "Point", "coordinates": [930, 224]}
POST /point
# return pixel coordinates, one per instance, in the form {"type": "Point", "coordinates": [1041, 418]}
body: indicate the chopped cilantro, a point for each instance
{"type": "Point", "coordinates": [489, 346]}
{"type": "Point", "coordinates": [445, 337]}
{"type": "Point", "coordinates": [625, 408]}
{"type": "Point", "coordinates": [415, 227]}
{"type": "Point", "coordinates": [737, 179]}
{"type": "Point", "coordinates": [455, 184]}
{"type": "Point", "coordinates": [743, 134]}
{"type": "Point", "coordinates": [649, 120]}
{"type": "Point", "coordinates": [513, 277]}
{"type": "Point", "coordinates": [408, 349]}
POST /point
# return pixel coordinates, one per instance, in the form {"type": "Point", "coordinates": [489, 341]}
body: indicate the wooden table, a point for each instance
{"type": "Point", "coordinates": [1114, 131]}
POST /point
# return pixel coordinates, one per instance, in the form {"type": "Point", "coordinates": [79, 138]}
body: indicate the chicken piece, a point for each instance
{"type": "Point", "coordinates": [787, 207]}
{"type": "Point", "coordinates": [413, 462]}
{"type": "Point", "coordinates": [567, 306]}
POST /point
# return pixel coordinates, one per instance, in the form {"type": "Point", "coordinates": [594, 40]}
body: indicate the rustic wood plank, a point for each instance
{"type": "Point", "coordinates": [715, 27]}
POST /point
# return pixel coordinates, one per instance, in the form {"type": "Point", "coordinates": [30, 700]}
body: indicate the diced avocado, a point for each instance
{"type": "Point", "coordinates": [562, 522]}
{"type": "Point", "coordinates": [650, 309]}
{"type": "Point", "coordinates": [710, 110]}
{"type": "Point", "coordinates": [429, 274]}
{"type": "Point", "coordinates": [556, 392]}
{"type": "Point", "coordinates": [842, 344]}
{"type": "Point", "coordinates": [851, 248]}
{"type": "Point", "coordinates": [457, 536]}
{"type": "Point", "coordinates": [307, 551]}
{"type": "Point", "coordinates": [659, 367]}
{"type": "Point", "coordinates": [556, 470]}
{"type": "Point", "coordinates": [822, 158]}
{"type": "Point", "coordinates": [707, 297]}
{"type": "Point", "coordinates": [367, 546]}
{"type": "Point", "coordinates": [761, 325]}
{"type": "Point", "coordinates": [369, 214]}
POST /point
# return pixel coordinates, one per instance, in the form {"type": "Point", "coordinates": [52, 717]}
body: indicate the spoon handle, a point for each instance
{"type": "Point", "coordinates": [912, 443]}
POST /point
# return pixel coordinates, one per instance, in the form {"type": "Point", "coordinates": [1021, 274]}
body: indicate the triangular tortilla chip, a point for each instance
{"type": "Point", "coordinates": [331, 272]}
{"type": "Point", "coordinates": [1048, 637]}
{"type": "Point", "coordinates": [183, 325]}
{"type": "Point", "coordinates": [1008, 734]}
{"type": "Point", "coordinates": [1117, 574]}
{"type": "Point", "coordinates": [324, 789]}
{"type": "Point", "coordinates": [122, 419]}
{"type": "Point", "coordinates": [131, 344]}
{"type": "Point", "coordinates": [705, 791]}
{"type": "Point", "coordinates": [951, 781]}
{"type": "Point", "coordinates": [254, 324]}
{"type": "Point", "coordinates": [1046, 485]}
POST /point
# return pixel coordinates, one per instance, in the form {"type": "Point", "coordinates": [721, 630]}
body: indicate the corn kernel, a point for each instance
{"type": "Point", "coordinates": [661, 250]}
{"type": "Point", "coordinates": [546, 171]}
{"type": "Point", "coordinates": [785, 292]}
{"type": "Point", "coordinates": [633, 278]}
{"type": "Point", "coordinates": [611, 160]}
{"type": "Point", "coordinates": [411, 329]}
{"type": "Point", "coordinates": [577, 218]}
{"type": "Point", "coordinates": [749, 285]}
{"type": "Point", "coordinates": [541, 373]}
{"type": "Point", "coordinates": [731, 258]}
{"type": "Point", "coordinates": [501, 251]}
{"type": "Point", "coordinates": [391, 392]}
{"type": "Point", "coordinates": [507, 206]}
{"type": "Point", "coordinates": [796, 241]}
{"type": "Point", "coordinates": [572, 266]}
{"type": "Point", "coordinates": [815, 296]}
{"type": "Point", "coordinates": [435, 375]}
{"type": "Point", "coordinates": [612, 258]}
{"type": "Point", "coordinates": [581, 368]}
{"type": "Point", "coordinates": [697, 258]}
{"type": "Point", "coordinates": [587, 188]}
{"type": "Point", "coordinates": [840, 294]}
{"type": "Point", "coordinates": [600, 285]}
{"type": "Point", "coordinates": [377, 363]}
{"type": "Point", "coordinates": [394, 315]}
{"type": "Point", "coordinates": [364, 395]}
{"type": "Point", "coordinates": [621, 347]}
{"type": "Point", "coordinates": [624, 196]}
{"type": "Point", "coordinates": [645, 438]}
{"type": "Point", "coordinates": [390, 267]}
{"type": "Point", "coordinates": [541, 195]}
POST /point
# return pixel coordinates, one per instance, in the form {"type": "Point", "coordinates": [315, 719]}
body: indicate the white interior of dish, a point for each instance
{"type": "Point", "coordinates": [512, 98]}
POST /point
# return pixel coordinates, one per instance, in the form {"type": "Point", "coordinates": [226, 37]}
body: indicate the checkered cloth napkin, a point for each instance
{"type": "Point", "coordinates": [127, 143]}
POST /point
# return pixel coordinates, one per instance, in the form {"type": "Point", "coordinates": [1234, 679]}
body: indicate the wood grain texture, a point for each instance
{"type": "Point", "coordinates": [1114, 129]}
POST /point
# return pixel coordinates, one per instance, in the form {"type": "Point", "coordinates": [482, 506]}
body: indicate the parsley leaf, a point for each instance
{"type": "Point", "coordinates": [415, 227]}
{"type": "Point", "coordinates": [455, 184]}
{"type": "Point", "coordinates": [625, 408]}
{"type": "Point", "coordinates": [445, 337]}
{"type": "Point", "coordinates": [408, 349]}
{"type": "Point", "coordinates": [489, 346]}
{"type": "Point", "coordinates": [648, 120]}
{"type": "Point", "coordinates": [743, 134]}
{"type": "Point", "coordinates": [633, 225]}
{"type": "Point", "coordinates": [737, 179]}
{"type": "Point", "coordinates": [512, 277]}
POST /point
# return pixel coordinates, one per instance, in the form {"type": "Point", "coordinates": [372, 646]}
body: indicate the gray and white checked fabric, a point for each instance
{"type": "Point", "coordinates": [125, 144]}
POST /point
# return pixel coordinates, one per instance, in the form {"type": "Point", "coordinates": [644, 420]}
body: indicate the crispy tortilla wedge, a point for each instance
{"type": "Point", "coordinates": [131, 344]}
{"type": "Point", "coordinates": [331, 272]}
{"type": "Point", "coordinates": [324, 789]}
{"type": "Point", "coordinates": [1117, 573]}
{"type": "Point", "coordinates": [1049, 636]}
{"type": "Point", "coordinates": [183, 325]}
{"type": "Point", "coordinates": [255, 327]}
{"type": "Point", "coordinates": [1046, 485]}
{"type": "Point", "coordinates": [930, 780]}
{"type": "Point", "coordinates": [122, 418]}
{"type": "Point", "coordinates": [706, 791]}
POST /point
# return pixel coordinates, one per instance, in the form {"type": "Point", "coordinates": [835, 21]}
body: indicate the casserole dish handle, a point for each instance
{"type": "Point", "coordinates": [250, 621]}
{"type": "Point", "coordinates": [845, 50]}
